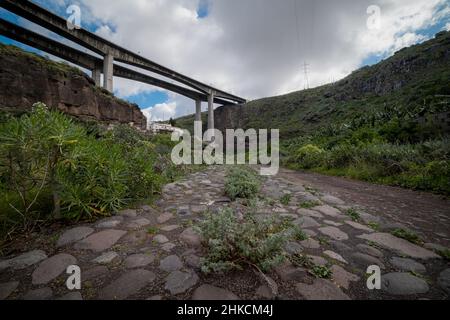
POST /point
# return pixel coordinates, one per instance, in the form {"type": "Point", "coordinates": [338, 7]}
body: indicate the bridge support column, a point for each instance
{"type": "Point", "coordinates": [211, 110]}
{"type": "Point", "coordinates": [108, 69]}
{"type": "Point", "coordinates": [198, 110]}
{"type": "Point", "coordinates": [211, 114]}
{"type": "Point", "coordinates": [96, 75]}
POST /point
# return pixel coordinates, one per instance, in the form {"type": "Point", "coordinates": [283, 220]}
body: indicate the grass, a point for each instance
{"type": "Point", "coordinates": [445, 253]}
{"type": "Point", "coordinates": [353, 214]}
{"type": "Point", "coordinates": [301, 260]}
{"type": "Point", "coordinates": [300, 235]}
{"type": "Point", "coordinates": [309, 204]}
{"type": "Point", "coordinates": [152, 230]}
{"type": "Point", "coordinates": [323, 241]}
{"type": "Point", "coordinates": [375, 226]}
{"type": "Point", "coordinates": [407, 235]}
{"type": "Point", "coordinates": [286, 199]}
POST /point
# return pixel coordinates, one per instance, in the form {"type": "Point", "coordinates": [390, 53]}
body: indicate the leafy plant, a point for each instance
{"type": "Point", "coordinates": [232, 243]}
{"type": "Point", "coordinates": [445, 253]}
{"type": "Point", "coordinates": [285, 199]}
{"type": "Point", "coordinates": [299, 234]}
{"type": "Point", "coordinates": [323, 272]}
{"type": "Point", "coordinates": [241, 183]}
{"type": "Point", "coordinates": [375, 226]}
{"type": "Point", "coordinates": [353, 214]}
{"type": "Point", "coordinates": [301, 260]}
{"type": "Point", "coordinates": [52, 167]}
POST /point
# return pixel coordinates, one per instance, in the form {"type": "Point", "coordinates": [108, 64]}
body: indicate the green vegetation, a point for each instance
{"type": "Point", "coordinates": [445, 253]}
{"type": "Point", "coordinates": [233, 244]}
{"type": "Point", "coordinates": [299, 234]}
{"type": "Point", "coordinates": [242, 182]}
{"type": "Point", "coordinates": [52, 167]}
{"type": "Point", "coordinates": [152, 230]}
{"type": "Point", "coordinates": [309, 204]}
{"type": "Point", "coordinates": [387, 123]}
{"type": "Point", "coordinates": [304, 261]}
{"type": "Point", "coordinates": [353, 214]}
{"type": "Point", "coordinates": [285, 199]}
{"type": "Point", "coordinates": [50, 65]}
{"type": "Point", "coordinates": [323, 272]}
{"type": "Point", "coordinates": [375, 226]}
{"type": "Point", "coordinates": [407, 235]}
{"type": "Point", "coordinates": [301, 260]}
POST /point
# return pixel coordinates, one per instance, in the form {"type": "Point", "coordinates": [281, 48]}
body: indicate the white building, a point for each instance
{"type": "Point", "coordinates": [155, 127]}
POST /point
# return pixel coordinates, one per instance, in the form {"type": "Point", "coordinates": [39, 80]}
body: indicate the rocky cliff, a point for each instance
{"type": "Point", "coordinates": [26, 78]}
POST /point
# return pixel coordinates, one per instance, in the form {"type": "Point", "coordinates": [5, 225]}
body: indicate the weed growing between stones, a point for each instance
{"type": "Point", "coordinates": [301, 260]}
{"type": "Point", "coordinates": [285, 199]}
{"type": "Point", "coordinates": [445, 253]}
{"type": "Point", "coordinates": [242, 182]}
{"type": "Point", "coordinates": [353, 214]}
{"type": "Point", "coordinates": [309, 204]}
{"type": "Point", "coordinates": [407, 235]}
{"type": "Point", "coordinates": [152, 230]}
{"type": "Point", "coordinates": [232, 243]}
{"type": "Point", "coordinates": [375, 226]}
{"type": "Point", "coordinates": [323, 272]}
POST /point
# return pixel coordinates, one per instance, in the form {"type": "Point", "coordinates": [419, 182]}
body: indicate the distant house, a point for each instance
{"type": "Point", "coordinates": [156, 127]}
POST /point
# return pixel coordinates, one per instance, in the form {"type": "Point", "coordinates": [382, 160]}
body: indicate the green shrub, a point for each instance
{"type": "Point", "coordinates": [52, 164]}
{"type": "Point", "coordinates": [309, 156]}
{"type": "Point", "coordinates": [233, 244]}
{"type": "Point", "coordinates": [241, 183]}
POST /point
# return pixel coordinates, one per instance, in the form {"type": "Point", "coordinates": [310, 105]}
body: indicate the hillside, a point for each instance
{"type": "Point", "coordinates": [387, 123]}
{"type": "Point", "coordinates": [412, 77]}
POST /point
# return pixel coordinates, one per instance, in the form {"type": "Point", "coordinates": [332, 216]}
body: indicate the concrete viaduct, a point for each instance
{"type": "Point", "coordinates": [110, 52]}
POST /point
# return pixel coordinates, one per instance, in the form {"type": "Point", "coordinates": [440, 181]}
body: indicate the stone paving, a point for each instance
{"type": "Point", "coordinates": [153, 253]}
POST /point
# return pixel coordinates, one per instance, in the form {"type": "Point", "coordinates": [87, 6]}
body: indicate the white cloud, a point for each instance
{"type": "Point", "coordinates": [447, 26]}
{"type": "Point", "coordinates": [257, 48]}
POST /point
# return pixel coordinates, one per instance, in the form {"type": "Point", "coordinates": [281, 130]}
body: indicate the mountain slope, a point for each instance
{"type": "Point", "coordinates": [388, 123]}
{"type": "Point", "coordinates": [413, 77]}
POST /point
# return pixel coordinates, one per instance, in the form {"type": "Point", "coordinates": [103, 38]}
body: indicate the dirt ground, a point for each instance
{"type": "Point", "coordinates": [425, 213]}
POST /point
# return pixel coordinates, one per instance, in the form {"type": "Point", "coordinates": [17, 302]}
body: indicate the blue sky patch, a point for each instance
{"type": "Point", "coordinates": [203, 9]}
{"type": "Point", "coordinates": [148, 99]}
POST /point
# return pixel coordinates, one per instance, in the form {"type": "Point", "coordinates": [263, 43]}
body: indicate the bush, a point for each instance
{"type": "Point", "coordinates": [51, 164]}
{"type": "Point", "coordinates": [242, 183]}
{"type": "Point", "coordinates": [232, 243]}
{"type": "Point", "coordinates": [309, 156]}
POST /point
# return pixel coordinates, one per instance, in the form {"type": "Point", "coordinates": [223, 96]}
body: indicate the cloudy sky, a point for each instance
{"type": "Point", "coordinates": [252, 48]}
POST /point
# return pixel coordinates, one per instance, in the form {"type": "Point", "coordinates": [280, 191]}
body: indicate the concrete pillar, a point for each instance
{"type": "Point", "coordinates": [108, 69]}
{"type": "Point", "coordinates": [96, 75]}
{"type": "Point", "coordinates": [211, 110]}
{"type": "Point", "coordinates": [198, 110]}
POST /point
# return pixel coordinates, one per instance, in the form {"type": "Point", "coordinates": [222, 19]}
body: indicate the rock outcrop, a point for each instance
{"type": "Point", "coordinates": [27, 78]}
